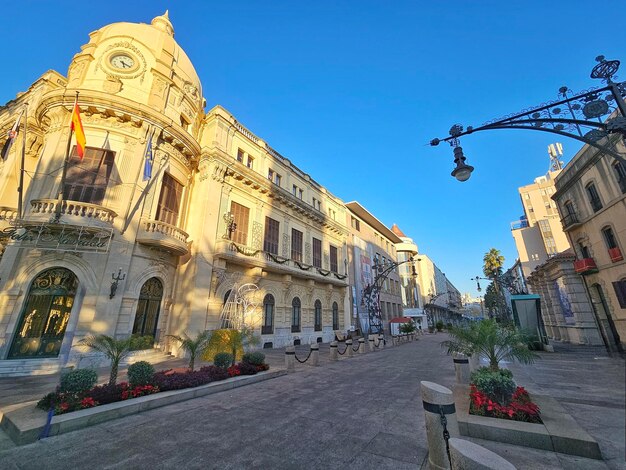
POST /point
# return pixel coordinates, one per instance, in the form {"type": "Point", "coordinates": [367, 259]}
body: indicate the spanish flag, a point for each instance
{"type": "Point", "coordinates": [77, 126]}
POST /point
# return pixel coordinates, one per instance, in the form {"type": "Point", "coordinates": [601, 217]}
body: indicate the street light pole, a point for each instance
{"type": "Point", "coordinates": [567, 117]}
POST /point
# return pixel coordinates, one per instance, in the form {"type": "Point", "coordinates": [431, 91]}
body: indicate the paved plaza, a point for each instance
{"type": "Point", "coordinates": [358, 413]}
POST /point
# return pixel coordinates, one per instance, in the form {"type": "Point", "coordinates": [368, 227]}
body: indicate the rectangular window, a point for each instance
{"type": "Point", "coordinates": [86, 180]}
{"type": "Point", "coordinates": [296, 245]}
{"type": "Point", "coordinates": [270, 175]}
{"type": "Point", "coordinates": [609, 238]}
{"type": "Point", "coordinates": [300, 193]}
{"type": "Point", "coordinates": [270, 241]}
{"type": "Point", "coordinates": [241, 215]}
{"type": "Point", "coordinates": [584, 251]}
{"type": "Point", "coordinates": [333, 259]}
{"type": "Point", "coordinates": [620, 292]}
{"type": "Point", "coordinates": [240, 155]}
{"type": "Point", "coordinates": [594, 197]}
{"type": "Point", "coordinates": [277, 179]}
{"type": "Point", "coordinates": [169, 200]}
{"type": "Point", "coordinates": [250, 162]}
{"type": "Point", "coordinates": [317, 253]}
{"type": "Point", "coordinates": [356, 224]}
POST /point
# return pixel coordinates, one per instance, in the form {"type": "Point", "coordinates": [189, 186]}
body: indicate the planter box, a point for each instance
{"type": "Point", "coordinates": [585, 266]}
{"type": "Point", "coordinates": [558, 433]}
{"type": "Point", "coordinates": [615, 254]}
{"type": "Point", "coordinates": [24, 423]}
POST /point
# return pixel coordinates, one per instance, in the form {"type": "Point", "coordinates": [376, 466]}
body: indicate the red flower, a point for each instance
{"type": "Point", "coordinates": [88, 402]}
{"type": "Point", "coordinates": [64, 406]}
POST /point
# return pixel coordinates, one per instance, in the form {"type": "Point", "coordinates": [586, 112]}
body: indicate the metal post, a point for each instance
{"type": "Point", "coordinates": [333, 351]}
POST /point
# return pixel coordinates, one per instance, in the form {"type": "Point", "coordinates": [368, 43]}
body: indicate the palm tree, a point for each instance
{"type": "Point", "coordinates": [493, 262]}
{"type": "Point", "coordinates": [231, 341]}
{"type": "Point", "coordinates": [491, 340]}
{"type": "Point", "coordinates": [113, 349]}
{"type": "Point", "coordinates": [194, 346]}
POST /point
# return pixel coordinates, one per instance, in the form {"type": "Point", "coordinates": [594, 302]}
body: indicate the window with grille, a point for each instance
{"type": "Point", "coordinates": [86, 180]}
{"type": "Point", "coordinates": [317, 253]}
{"type": "Point", "coordinates": [296, 245]}
{"type": "Point", "coordinates": [318, 316]}
{"type": "Point", "coordinates": [268, 315]}
{"type": "Point", "coordinates": [295, 315]}
{"type": "Point", "coordinates": [594, 197]}
{"type": "Point", "coordinates": [335, 316]}
{"type": "Point", "coordinates": [609, 237]}
{"type": "Point", "coordinates": [241, 216]}
{"type": "Point", "coordinates": [270, 241]}
{"type": "Point", "coordinates": [169, 200]}
{"type": "Point", "coordinates": [333, 259]}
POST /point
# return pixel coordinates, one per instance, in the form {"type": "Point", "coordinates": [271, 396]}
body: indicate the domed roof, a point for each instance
{"type": "Point", "coordinates": [158, 36]}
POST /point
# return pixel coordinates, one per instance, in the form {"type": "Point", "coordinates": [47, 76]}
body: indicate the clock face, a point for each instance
{"type": "Point", "coordinates": [122, 61]}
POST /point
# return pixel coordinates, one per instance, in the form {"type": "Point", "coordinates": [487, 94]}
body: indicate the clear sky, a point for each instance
{"type": "Point", "coordinates": [352, 91]}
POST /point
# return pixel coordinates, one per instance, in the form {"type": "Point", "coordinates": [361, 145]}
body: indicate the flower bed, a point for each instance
{"type": "Point", "coordinates": [520, 408]}
{"type": "Point", "coordinates": [161, 381]}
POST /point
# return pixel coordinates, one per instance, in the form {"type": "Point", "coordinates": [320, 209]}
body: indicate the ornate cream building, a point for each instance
{"type": "Point", "coordinates": [117, 253]}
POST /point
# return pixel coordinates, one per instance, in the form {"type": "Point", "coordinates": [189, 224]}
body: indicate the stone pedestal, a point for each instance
{"type": "Point", "coordinates": [461, 368]}
{"type": "Point", "coordinates": [370, 341]}
{"type": "Point", "coordinates": [315, 355]}
{"type": "Point", "coordinates": [361, 345]}
{"type": "Point", "coordinates": [349, 348]}
{"type": "Point", "coordinates": [333, 351]}
{"type": "Point", "coordinates": [290, 358]}
{"type": "Point", "coordinates": [435, 399]}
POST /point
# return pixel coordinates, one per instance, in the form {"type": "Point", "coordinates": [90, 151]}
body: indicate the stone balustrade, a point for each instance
{"type": "Point", "coordinates": [83, 210]}
{"type": "Point", "coordinates": [163, 235]}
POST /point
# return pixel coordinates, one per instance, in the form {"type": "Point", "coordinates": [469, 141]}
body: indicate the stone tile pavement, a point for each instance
{"type": "Point", "coordinates": [357, 413]}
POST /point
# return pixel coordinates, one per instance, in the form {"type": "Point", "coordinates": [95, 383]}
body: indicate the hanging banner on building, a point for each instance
{"type": "Point", "coordinates": [59, 237]}
{"type": "Point", "coordinates": [564, 300]}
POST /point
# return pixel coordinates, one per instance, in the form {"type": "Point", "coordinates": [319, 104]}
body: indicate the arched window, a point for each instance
{"type": "Point", "coordinates": [268, 315]}
{"type": "Point", "coordinates": [594, 197]}
{"type": "Point", "coordinates": [295, 315]}
{"type": "Point", "coordinates": [45, 315]}
{"type": "Point", "coordinates": [226, 296]}
{"type": "Point", "coordinates": [148, 308]}
{"type": "Point", "coordinates": [318, 316]}
{"type": "Point", "coordinates": [335, 316]}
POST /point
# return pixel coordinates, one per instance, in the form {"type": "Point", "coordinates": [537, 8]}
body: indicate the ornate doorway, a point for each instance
{"type": "Point", "coordinates": [148, 308]}
{"type": "Point", "coordinates": [45, 315]}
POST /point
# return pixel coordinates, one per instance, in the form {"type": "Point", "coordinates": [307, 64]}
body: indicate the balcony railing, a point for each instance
{"type": "Point", "coordinates": [570, 221]}
{"type": "Point", "coordinates": [519, 224]}
{"type": "Point", "coordinates": [615, 254]}
{"type": "Point", "coordinates": [270, 261]}
{"type": "Point", "coordinates": [585, 266]}
{"type": "Point", "coordinates": [162, 235]}
{"type": "Point", "coordinates": [8, 213]}
{"type": "Point", "coordinates": [83, 211]}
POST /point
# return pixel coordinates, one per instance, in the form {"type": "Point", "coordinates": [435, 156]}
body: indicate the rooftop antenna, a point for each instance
{"type": "Point", "coordinates": [556, 152]}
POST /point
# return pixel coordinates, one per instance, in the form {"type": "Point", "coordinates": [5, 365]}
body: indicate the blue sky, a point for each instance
{"type": "Point", "coordinates": [360, 87]}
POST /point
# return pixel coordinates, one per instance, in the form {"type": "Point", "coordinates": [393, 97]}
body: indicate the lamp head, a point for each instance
{"type": "Point", "coordinates": [462, 172]}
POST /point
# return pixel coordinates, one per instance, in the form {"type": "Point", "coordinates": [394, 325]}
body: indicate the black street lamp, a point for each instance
{"type": "Point", "coordinates": [576, 116]}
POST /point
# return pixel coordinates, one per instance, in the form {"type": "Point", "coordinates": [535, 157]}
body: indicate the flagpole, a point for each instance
{"type": "Point", "coordinates": [141, 167]}
{"type": "Point", "coordinates": [58, 209]}
{"type": "Point", "coordinates": [20, 188]}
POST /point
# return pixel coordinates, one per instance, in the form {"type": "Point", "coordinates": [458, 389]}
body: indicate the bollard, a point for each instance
{"type": "Point", "coordinates": [361, 345]}
{"type": "Point", "coordinates": [349, 346]}
{"type": "Point", "coordinates": [466, 454]}
{"type": "Point", "coordinates": [315, 354]}
{"type": "Point", "coordinates": [461, 368]}
{"type": "Point", "coordinates": [290, 358]}
{"type": "Point", "coordinates": [370, 341]}
{"type": "Point", "coordinates": [381, 341]}
{"type": "Point", "coordinates": [437, 399]}
{"type": "Point", "coordinates": [334, 356]}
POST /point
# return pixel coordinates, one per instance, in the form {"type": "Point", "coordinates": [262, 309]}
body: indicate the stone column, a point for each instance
{"type": "Point", "coordinates": [315, 354]}
{"type": "Point", "coordinates": [349, 348]}
{"type": "Point", "coordinates": [436, 398]}
{"type": "Point", "coordinates": [461, 368]}
{"type": "Point", "coordinates": [333, 351]}
{"type": "Point", "coordinates": [361, 345]}
{"type": "Point", "coordinates": [290, 358]}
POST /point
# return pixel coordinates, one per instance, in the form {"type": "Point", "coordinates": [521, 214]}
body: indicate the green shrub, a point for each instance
{"type": "Point", "coordinates": [140, 373]}
{"type": "Point", "coordinates": [223, 360]}
{"type": "Point", "coordinates": [407, 328]}
{"type": "Point", "coordinates": [79, 380]}
{"type": "Point", "coordinates": [254, 358]}
{"type": "Point", "coordinates": [439, 325]}
{"type": "Point", "coordinates": [448, 325]}
{"type": "Point", "coordinates": [139, 342]}
{"type": "Point", "coordinates": [497, 385]}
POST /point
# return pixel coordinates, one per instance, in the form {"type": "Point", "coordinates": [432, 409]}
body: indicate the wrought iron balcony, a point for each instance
{"type": "Point", "coordinates": [615, 254]}
{"type": "Point", "coordinates": [570, 221]}
{"type": "Point", "coordinates": [249, 256]}
{"type": "Point", "coordinates": [73, 212]}
{"type": "Point", "coordinates": [165, 236]}
{"type": "Point", "coordinates": [585, 266]}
